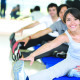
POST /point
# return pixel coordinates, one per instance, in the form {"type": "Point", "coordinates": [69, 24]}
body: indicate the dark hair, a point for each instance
{"type": "Point", "coordinates": [31, 10]}
{"type": "Point", "coordinates": [52, 5]}
{"type": "Point", "coordinates": [37, 8]}
{"type": "Point", "coordinates": [62, 5]}
{"type": "Point", "coordinates": [18, 5]}
{"type": "Point", "coordinates": [74, 11]}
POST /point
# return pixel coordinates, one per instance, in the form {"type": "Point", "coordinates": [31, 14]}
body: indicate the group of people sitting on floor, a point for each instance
{"type": "Point", "coordinates": [66, 22]}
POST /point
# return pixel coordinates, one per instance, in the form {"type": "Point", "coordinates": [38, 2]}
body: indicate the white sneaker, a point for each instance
{"type": "Point", "coordinates": [18, 70]}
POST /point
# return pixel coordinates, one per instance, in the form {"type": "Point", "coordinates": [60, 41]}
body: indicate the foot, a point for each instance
{"type": "Point", "coordinates": [16, 52]}
{"type": "Point", "coordinates": [73, 73]}
{"type": "Point", "coordinates": [12, 40]}
{"type": "Point", "coordinates": [18, 70]}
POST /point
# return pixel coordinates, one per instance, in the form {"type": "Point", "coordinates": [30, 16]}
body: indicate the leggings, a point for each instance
{"type": "Point", "coordinates": [56, 71]}
{"type": "Point", "coordinates": [34, 42]}
{"type": "Point", "coordinates": [62, 47]}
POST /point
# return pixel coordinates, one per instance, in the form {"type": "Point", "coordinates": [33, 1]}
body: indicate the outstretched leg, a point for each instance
{"type": "Point", "coordinates": [56, 71]}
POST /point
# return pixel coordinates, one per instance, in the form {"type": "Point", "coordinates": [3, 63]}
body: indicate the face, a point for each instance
{"type": "Point", "coordinates": [62, 11]}
{"type": "Point", "coordinates": [52, 11]}
{"type": "Point", "coordinates": [72, 23]}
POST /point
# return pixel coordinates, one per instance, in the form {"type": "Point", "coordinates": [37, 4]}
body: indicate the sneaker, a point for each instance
{"type": "Point", "coordinates": [18, 70]}
{"type": "Point", "coordinates": [54, 53]}
{"type": "Point", "coordinates": [61, 54]}
{"type": "Point", "coordinates": [12, 40]}
{"type": "Point", "coordinates": [16, 54]}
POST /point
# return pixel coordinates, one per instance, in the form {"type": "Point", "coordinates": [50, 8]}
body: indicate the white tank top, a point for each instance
{"type": "Point", "coordinates": [74, 47]}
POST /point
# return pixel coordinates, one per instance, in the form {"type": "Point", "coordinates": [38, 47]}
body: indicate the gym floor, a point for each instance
{"type": "Point", "coordinates": [6, 28]}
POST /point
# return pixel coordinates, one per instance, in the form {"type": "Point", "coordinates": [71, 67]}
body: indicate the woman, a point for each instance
{"type": "Point", "coordinates": [71, 36]}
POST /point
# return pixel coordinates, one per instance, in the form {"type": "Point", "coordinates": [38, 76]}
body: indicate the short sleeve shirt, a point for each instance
{"type": "Point", "coordinates": [59, 26]}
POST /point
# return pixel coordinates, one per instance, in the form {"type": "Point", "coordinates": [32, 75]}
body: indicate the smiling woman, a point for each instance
{"type": "Point", "coordinates": [72, 20]}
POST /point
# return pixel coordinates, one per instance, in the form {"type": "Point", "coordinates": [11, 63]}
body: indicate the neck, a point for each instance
{"type": "Point", "coordinates": [54, 18]}
{"type": "Point", "coordinates": [63, 21]}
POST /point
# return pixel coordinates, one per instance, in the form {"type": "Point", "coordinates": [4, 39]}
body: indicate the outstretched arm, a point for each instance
{"type": "Point", "coordinates": [48, 46]}
{"type": "Point", "coordinates": [41, 33]}
{"type": "Point", "coordinates": [36, 35]}
{"type": "Point", "coordinates": [27, 27]}
{"type": "Point", "coordinates": [31, 25]}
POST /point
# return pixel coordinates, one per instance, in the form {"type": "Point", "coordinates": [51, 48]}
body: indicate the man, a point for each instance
{"type": "Point", "coordinates": [48, 20]}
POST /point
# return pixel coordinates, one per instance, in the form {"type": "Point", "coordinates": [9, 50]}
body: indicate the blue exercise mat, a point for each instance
{"type": "Point", "coordinates": [50, 61]}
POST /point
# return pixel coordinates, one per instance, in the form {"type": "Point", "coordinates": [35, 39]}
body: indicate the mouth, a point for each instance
{"type": "Point", "coordinates": [73, 26]}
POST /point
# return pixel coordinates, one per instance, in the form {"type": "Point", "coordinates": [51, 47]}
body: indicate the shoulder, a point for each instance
{"type": "Point", "coordinates": [56, 24]}
{"type": "Point", "coordinates": [64, 38]}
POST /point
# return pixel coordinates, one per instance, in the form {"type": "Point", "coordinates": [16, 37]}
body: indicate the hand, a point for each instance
{"type": "Point", "coordinates": [25, 40]}
{"type": "Point", "coordinates": [29, 58]}
{"type": "Point", "coordinates": [77, 68]}
{"type": "Point", "coordinates": [20, 31]}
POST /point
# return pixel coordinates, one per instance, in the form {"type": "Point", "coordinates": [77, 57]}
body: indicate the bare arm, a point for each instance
{"type": "Point", "coordinates": [24, 17]}
{"type": "Point", "coordinates": [53, 44]}
{"type": "Point", "coordinates": [32, 25]}
{"type": "Point", "coordinates": [36, 35]}
{"type": "Point", "coordinates": [27, 27]}
{"type": "Point", "coordinates": [46, 47]}
{"type": "Point", "coordinates": [41, 33]}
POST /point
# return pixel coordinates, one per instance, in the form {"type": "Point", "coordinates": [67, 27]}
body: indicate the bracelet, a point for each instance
{"type": "Point", "coordinates": [29, 37]}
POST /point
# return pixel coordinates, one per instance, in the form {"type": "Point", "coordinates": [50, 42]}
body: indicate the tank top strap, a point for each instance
{"type": "Point", "coordinates": [70, 38]}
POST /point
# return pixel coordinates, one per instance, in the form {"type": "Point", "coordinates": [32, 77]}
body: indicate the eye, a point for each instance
{"type": "Point", "coordinates": [76, 19]}
{"type": "Point", "coordinates": [68, 19]}
{"type": "Point", "coordinates": [53, 9]}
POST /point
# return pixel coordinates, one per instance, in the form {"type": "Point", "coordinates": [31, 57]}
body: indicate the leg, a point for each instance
{"type": "Point", "coordinates": [34, 42]}
{"type": "Point", "coordinates": [3, 8]}
{"type": "Point", "coordinates": [47, 54]}
{"type": "Point", "coordinates": [19, 73]}
{"type": "Point", "coordinates": [62, 47]}
{"type": "Point", "coordinates": [31, 43]}
{"type": "Point", "coordinates": [58, 70]}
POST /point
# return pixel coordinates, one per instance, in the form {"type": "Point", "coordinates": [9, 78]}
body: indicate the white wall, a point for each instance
{"type": "Point", "coordinates": [27, 4]}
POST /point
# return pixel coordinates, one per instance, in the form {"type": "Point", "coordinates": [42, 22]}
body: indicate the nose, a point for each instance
{"type": "Point", "coordinates": [72, 22]}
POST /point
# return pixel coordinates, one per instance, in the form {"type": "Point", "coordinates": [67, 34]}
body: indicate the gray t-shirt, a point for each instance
{"type": "Point", "coordinates": [59, 26]}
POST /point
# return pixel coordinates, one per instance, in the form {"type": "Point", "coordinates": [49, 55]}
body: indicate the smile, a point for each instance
{"type": "Point", "coordinates": [73, 26]}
